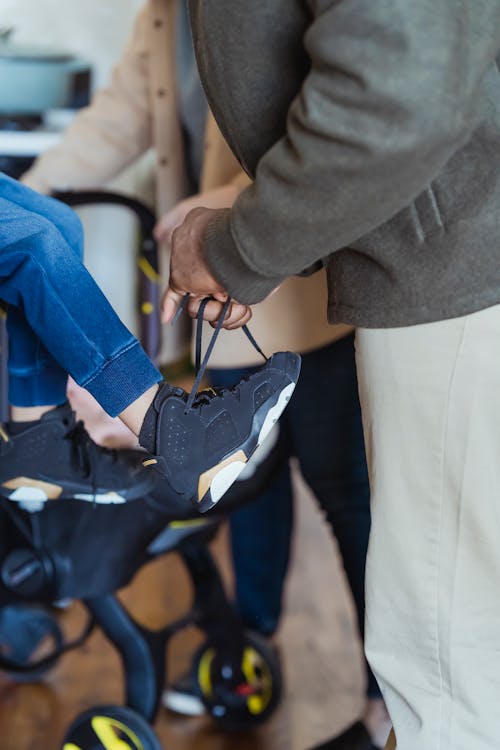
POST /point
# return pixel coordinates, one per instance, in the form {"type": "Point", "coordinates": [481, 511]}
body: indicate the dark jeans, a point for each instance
{"type": "Point", "coordinates": [322, 427]}
{"type": "Point", "coordinates": [58, 320]}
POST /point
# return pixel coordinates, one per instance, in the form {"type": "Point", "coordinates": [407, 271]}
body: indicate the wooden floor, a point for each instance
{"type": "Point", "coordinates": [319, 647]}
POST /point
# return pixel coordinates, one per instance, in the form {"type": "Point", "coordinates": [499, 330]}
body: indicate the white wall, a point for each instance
{"type": "Point", "coordinates": [96, 29]}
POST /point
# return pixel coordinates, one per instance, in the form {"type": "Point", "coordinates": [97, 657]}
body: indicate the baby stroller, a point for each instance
{"type": "Point", "coordinates": [48, 552]}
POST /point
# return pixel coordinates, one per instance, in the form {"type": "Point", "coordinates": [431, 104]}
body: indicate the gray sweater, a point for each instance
{"type": "Point", "coordinates": [372, 128]}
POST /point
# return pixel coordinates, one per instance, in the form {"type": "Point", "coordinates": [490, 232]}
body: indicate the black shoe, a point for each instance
{"type": "Point", "coordinates": [354, 738]}
{"type": "Point", "coordinates": [56, 458]}
{"type": "Point", "coordinates": [202, 443]}
{"type": "Point", "coordinates": [181, 697]}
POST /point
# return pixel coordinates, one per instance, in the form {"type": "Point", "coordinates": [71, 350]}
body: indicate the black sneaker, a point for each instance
{"type": "Point", "coordinates": [356, 737]}
{"type": "Point", "coordinates": [181, 697]}
{"type": "Point", "coordinates": [202, 442]}
{"type": "Point", "coordinates": [56, 458]}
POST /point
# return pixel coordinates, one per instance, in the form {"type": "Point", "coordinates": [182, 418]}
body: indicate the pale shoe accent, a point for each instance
{"type": "Point", "coordinates": [107, 498]}
{"type": "Point", "coordinates": [180, 703]}
{"type": "Point", "coordinates": [32, 494]}
{"type": "Point", "coordinates": [220, 478]}
{"type": "Point", "coordinates": [208, 477]}
{"type": "Point", "coordinates": [260, 454]}
{"type": "Point", "coordinates": [223, 480]}
{"type": "Point", "coordinates": [275, 412]}
{"type": "Point", "coordinates": [23, 487]}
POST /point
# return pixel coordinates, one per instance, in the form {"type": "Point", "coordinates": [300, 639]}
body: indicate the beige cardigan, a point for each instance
{"type": "Point", "coordinates": [138, 111]}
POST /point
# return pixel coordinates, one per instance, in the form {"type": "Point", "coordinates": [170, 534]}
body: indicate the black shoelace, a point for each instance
{"type": "Point", "coordinates": [198, 397]}
{"type": "Point", "coordinates": [83, 447]}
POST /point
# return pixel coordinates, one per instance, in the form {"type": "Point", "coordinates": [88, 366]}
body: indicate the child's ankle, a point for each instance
{"type": "Point", "coordinates": [29, 413]}
{"type": "Point", "coordinates": [133, 415]}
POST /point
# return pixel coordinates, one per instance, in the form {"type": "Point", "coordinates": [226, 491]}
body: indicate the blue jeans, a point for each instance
{"type": "Point", "coordinates": [58, 319]}
{"type": "Point", "coordinates": [322, 428]}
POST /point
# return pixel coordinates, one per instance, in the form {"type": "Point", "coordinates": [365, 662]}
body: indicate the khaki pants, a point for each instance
{"type": "Point", "coordinates": [430, 396]}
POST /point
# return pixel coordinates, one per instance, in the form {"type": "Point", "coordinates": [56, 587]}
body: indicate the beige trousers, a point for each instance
{"type": "Point", "coordinates": [430, 396]}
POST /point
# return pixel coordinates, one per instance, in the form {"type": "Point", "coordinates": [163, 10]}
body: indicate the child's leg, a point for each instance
{"type": "Point", "coordinates": [62, 216]}
{"type": "Point", "coordinates": [44, 279]}
{"type": "Point", "coordinates": [35, 378]}
{"type": "Point", "coordinates": [36, 381]}
{"type": "Point", "coordinates": [201, 445]}
{"type": "Point", "coordinates": [57, 320]}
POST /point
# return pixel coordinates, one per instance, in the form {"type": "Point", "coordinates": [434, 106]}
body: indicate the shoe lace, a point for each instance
{"type": "Point", "coordinates": [83, 447]}
{"type": "Point", "coordinates": [196, 397]}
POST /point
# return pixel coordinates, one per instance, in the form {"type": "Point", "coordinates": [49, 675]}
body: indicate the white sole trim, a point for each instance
{"type": "Point", "coordinates": [260, 454]}
{"type": "Point", "coordinates": [275, 412]}
{"type": "Point", "coordinates": [228, 475]}
{"type": "Point", "coordinates": [224, 478]}
{"type": "Point", "coordinates": [187, 705]}
{"type": "Point", "coordinates": [33, 498]}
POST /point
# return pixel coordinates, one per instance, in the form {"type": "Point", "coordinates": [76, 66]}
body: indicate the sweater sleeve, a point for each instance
{"type": "Point", "coordinates": [108, 135]}
{"type": "Point", "coordinates": [391, 95]}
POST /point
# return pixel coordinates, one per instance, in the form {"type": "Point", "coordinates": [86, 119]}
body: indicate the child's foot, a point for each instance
{"type": "Point", "coordinates": [202, 448]}
{"type": "Point", "coordinates": [54, 457]}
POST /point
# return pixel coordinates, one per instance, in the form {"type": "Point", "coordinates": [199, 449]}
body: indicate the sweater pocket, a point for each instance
{"type": "Point", "coordinates": [426, 216]}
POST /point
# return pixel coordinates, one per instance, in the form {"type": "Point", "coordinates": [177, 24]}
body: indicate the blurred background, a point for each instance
{"type": "Point", "coordinates": [53, 55]}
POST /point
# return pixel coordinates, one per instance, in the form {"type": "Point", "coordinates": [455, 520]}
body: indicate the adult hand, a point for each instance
{"type": "Point", "coordinates": [189, 273]}
{"type": "Point", "coordinates": [237, 315]}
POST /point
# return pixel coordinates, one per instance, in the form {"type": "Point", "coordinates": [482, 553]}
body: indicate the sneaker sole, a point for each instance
{"type": "Point", "coordinates": [186, 705]}
{"type": "Point", "coordinates": [32, 494]}
{"type": "Point", "coordinates": [215, 482]}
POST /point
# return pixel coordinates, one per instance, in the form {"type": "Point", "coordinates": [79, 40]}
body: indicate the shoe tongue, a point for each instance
{"type": "Point", "coordinates": [165, 391]}
{"type": "Point", "coordinates": [62, 413]}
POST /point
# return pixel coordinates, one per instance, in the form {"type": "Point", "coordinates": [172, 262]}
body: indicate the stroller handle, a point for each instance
{"type": "Point", "coordinates": [144, 214]}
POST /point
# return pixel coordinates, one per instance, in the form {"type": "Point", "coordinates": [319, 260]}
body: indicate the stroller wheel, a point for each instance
{"type": "Point", "coordinates": [239, 693]}
{"type": "Point", "coordinates": [30, 641]}
{"type": "Point", "coordinates": [106, 727]}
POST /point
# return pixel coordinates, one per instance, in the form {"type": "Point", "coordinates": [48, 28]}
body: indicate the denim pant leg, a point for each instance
{"type": "Point", "coordinates": [46, 282]}
{"type": "Point", "coordinates": [327, 438]}
{"type": "Point", "coordinates": [35, 378]}
{"type": "Point", "coordinates": [59, 214]}
{"type": "Point", "coordinates": [260, 539]}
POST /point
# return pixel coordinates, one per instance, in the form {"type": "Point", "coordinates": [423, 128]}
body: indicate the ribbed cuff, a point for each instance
{"type": "Point", "coordinates": [123, 379]}
{"type": "Point", "coordinates": [225, 261]}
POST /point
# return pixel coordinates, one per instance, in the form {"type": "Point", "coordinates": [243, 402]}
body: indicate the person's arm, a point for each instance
{"type": "Point", "coordinates": [390, 96]}
{"type": "Point", "coordinates": [108, 135]}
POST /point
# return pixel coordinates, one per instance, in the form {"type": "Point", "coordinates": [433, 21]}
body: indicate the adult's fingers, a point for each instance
{"type": "Point", "coordinates": [212, 311]}
{"type": "Point", "coordinates": [169, 304]}
{"type": "Point", "coordinates": [238, 315]}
